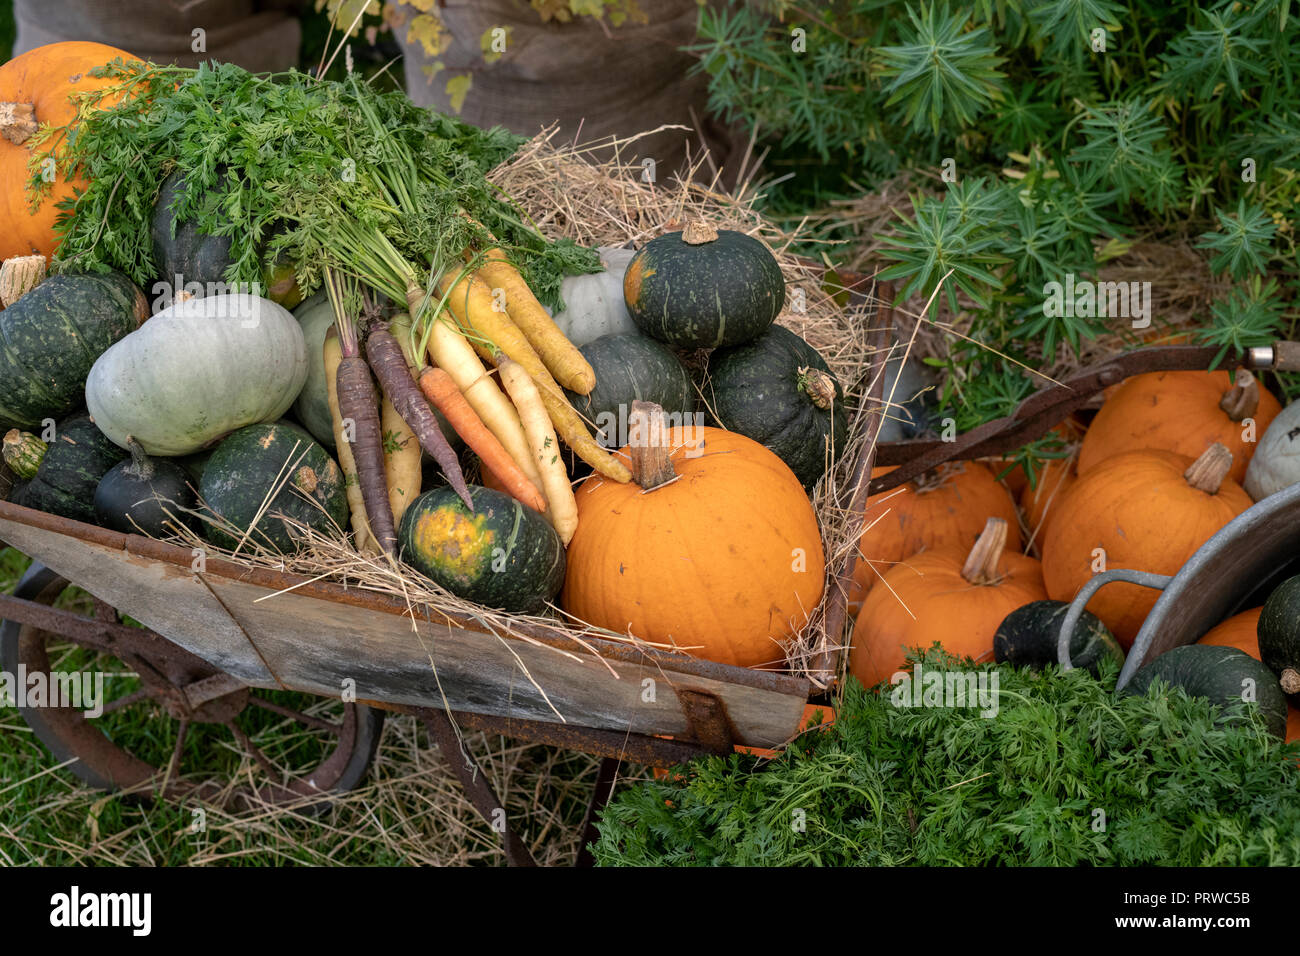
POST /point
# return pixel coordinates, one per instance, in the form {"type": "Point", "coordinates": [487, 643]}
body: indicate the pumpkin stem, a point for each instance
{"type": "Point", "coordinates": [20, 275]}
{"type": "Point", "coordinates": [17, 122]}
{"type": "Point", "coordinates": [818, 386]}
{"type": "Point", "coordinates": [17, 452]}
{"type": "Point", "coordinates": [698, 232]}
{"type": "Point", "coordinates": [649, 446]}
{"type": "Point", "coordinates": [1290, 681]}
{"type": "Point", "coordinates": [142, 465]}
{"type": "Point", "coordinates": [981, 567]}
{"type": "Point", "coordinates": [1207, 472]}
{"type": "Point", "coordinates": [1242, 399]}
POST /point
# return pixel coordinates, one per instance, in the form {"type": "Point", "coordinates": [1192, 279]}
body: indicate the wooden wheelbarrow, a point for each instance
{"type": "Point", "coordinates": [210, 642]}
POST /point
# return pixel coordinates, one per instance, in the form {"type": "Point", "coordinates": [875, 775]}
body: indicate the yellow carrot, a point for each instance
{"type": "Point", "coordinates": [455, 356]}
{"type": "Point", "coordinates": [561, 505]}
{"type": "Point", "coordinates": [402, 452]}
{"type": "Point", "coordinates": [560, 356]}
{"type": "Point", "coordinates": [365, 541]}
{"type": "Point", "coordinates": [471, 303]}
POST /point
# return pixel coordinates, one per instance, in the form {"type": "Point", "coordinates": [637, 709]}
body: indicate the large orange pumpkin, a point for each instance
{"type": "Point", "coordinates": [1146, 510]}
{"type": "Point", "coordinates": [1182, 412]}
{"type": "Point", "coordinates": [950, 595]}
{"type": "Point", "coordinates": [1240, 631]}
{"type": "Point", "coordinates": [713, 547]}
{"type": "Point", "coordinates": [946, 507]}
{"type": "Point", "coordinates": [36, 89]}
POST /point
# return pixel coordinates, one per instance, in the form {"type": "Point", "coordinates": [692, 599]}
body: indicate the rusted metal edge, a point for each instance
{"type": "Point", "coordinates": [1037, 413]}
{"type": "Point", "coordinates": [273, 580]}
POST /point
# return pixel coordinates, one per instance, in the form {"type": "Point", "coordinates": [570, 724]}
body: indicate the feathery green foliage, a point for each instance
{"type": "Point", "coordinates": [1177, 780]}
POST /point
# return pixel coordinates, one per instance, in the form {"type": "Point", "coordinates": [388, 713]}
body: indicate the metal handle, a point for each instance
{"type": "Point", "coordinates": [1145, 578]}
{"type": "Point", "coordinates": [1281, 356]}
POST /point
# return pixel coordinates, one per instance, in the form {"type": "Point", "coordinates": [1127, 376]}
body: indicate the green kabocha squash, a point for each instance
{"type": "Point", "coordinates": [196, 371]}
{"type": "Point", "coordinates": [628, 368]}
{"type": "Point", "coordinates": [76, 461]}
{"type": "Point", "coordinates": [1279, 634]}
{"type": "Point", "coordinates": [144, 495]}
{"type": "Point", "coordinates": [180, 248]}
{"type": "Point", "coordinates": [704, 288]}
{"type": "Point", "coordinates": [502, 555]}
{"type": "Point", "coordinates": [50, 338]}
{"type": "Point", "coordinates": [1224, 675]}
{"type": "Point", "coordinates": [780, 392]}
{"type": "Point", "coordinates": [23, 452]}
{"type": "Point", "coordinates": [251, 464]}
{"type": "Point", "coordinates": [1027, 638]}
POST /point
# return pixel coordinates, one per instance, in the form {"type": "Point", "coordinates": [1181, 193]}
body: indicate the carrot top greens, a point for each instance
{"type": "Point", "coordinates": [294, 170]}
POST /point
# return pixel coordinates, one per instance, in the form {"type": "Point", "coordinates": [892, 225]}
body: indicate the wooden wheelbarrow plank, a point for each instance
{"type": "Point", "coordinates": [318, 635]}
{"type": "Point", "coordinates": [161, 596]}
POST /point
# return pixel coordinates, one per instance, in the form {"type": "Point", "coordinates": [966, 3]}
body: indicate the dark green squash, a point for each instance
{"type": "Point", "coordinates": [779, 391]}
{"type": "Point", "coordinates": [502, 555]}
{"type": "Point", "coordinates": [50, 338]}
{"type": "Point", "coordinates": [180, 248]}
{"type": "Point", "coordinates": [77, 459]}
{"type": "Point", "coordinates": [1279, 634]}
{"type": "Point", "coordinates": [628, 368]}
{"type": "Point", "coordinates": [144, 495]}
{"type": "Point", "coordinates": [252, 462]}
{"type": "Point", "coordinates": [704, 288]}
{"type": "Point", "coordinates": [1027, 638]}
{"type": "Point", "coordinates": [1221, 674]}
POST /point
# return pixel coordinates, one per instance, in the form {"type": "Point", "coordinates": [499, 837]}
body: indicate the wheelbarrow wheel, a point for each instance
{"type": "Point", "coordinates": [172, 725]}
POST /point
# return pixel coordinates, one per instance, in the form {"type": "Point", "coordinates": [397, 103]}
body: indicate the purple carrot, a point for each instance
{"type": "Point", "coordinates": [358, 402]}
{"type": "Point", "coordinates": [399, 385]}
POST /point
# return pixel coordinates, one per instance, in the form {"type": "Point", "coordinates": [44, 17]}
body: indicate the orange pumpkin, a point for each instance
{"type": "Point", "coordinates": [949, 595]}
{"type": "Point", "coordinates": [1240, 631]}
{"type": "Point", "coordinates": [1147, 510]}
{"type": "Point", "coordinates": [36, 89]}
{"type": "Point", "coordinates": [713, 546]}
{"type": "Point", "coordinates": [1041, 502]}
{"type": "Point", "coordinates": [1182, 412]}
{"type": "Point", "coordinates": [949, 506]}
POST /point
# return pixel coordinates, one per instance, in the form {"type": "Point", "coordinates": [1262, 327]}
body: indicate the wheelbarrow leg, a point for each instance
{"type": "Point", "coordinates": [605, 778]}
{"type": "Point", "coordinates": [473, 780]}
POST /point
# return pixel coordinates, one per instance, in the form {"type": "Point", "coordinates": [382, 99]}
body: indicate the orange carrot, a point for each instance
{"type": "Point", "coordinates": [439, 389]}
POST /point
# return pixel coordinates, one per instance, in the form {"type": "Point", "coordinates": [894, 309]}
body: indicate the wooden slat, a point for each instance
{"type": "Point", "coordinates": [160, 596]}
{"type": "Point", "coordinates": [315, 645]}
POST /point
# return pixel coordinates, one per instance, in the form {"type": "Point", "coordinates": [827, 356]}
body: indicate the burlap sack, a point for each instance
{"type": "Point", "coordinates": [259, 35]}
{"type": "Point", "coordinates": [594, 80]}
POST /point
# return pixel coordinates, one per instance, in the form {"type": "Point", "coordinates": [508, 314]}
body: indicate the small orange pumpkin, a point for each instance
{"type": "Point", "coordinates": [713, 546]}
{"type": "Point", "coordinates": [949, 595]}
{"type": "Point", "coordinates": [1240, 631]}
{"type": "Point", "coordinates": [1182, 412]}
{"type": "Point", "coordinates": [1147, 510]}
{"type": "Point", "coordinates": [949, 506]}
{"type": "Point", "coordinates": [36, 89]}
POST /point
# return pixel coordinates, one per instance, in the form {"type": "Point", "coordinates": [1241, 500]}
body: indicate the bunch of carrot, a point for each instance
{"type": "Point", "coordinates": [512, 427]}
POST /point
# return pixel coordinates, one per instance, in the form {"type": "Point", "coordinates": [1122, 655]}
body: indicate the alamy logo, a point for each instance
{"type": "Point", "coordinates": [79, 690]}
{"type": "Point", "coordinates": [1086, 300]}
{"type": "Point", "coordinates": [74, 908]}
{"type": "Point", "coordinates": [947, 689]}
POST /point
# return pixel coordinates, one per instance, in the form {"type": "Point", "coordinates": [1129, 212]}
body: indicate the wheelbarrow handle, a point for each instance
{"type": "Point", "coordinates": [1281, 356]}
{"type": "Point", "coordinates": [1095, 583]}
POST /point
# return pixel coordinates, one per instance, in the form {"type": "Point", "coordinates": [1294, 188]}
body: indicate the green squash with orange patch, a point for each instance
{"type": "Point", "coordinates": [501, 555]}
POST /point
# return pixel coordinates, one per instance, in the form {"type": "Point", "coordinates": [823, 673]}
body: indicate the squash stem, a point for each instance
{"type": "Point", "coordinates": [1208, 472]}
{"type": "Point", "coordinates": [981, 567]}
{"type": "Point", "coordinates": [17, 122]}
{"type": "Point", "coordinates": [1242, 399]}
{"type": "Point", "coordinates": [142, 465]}
{"type": "Point", "coordinates": [649, 446]}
